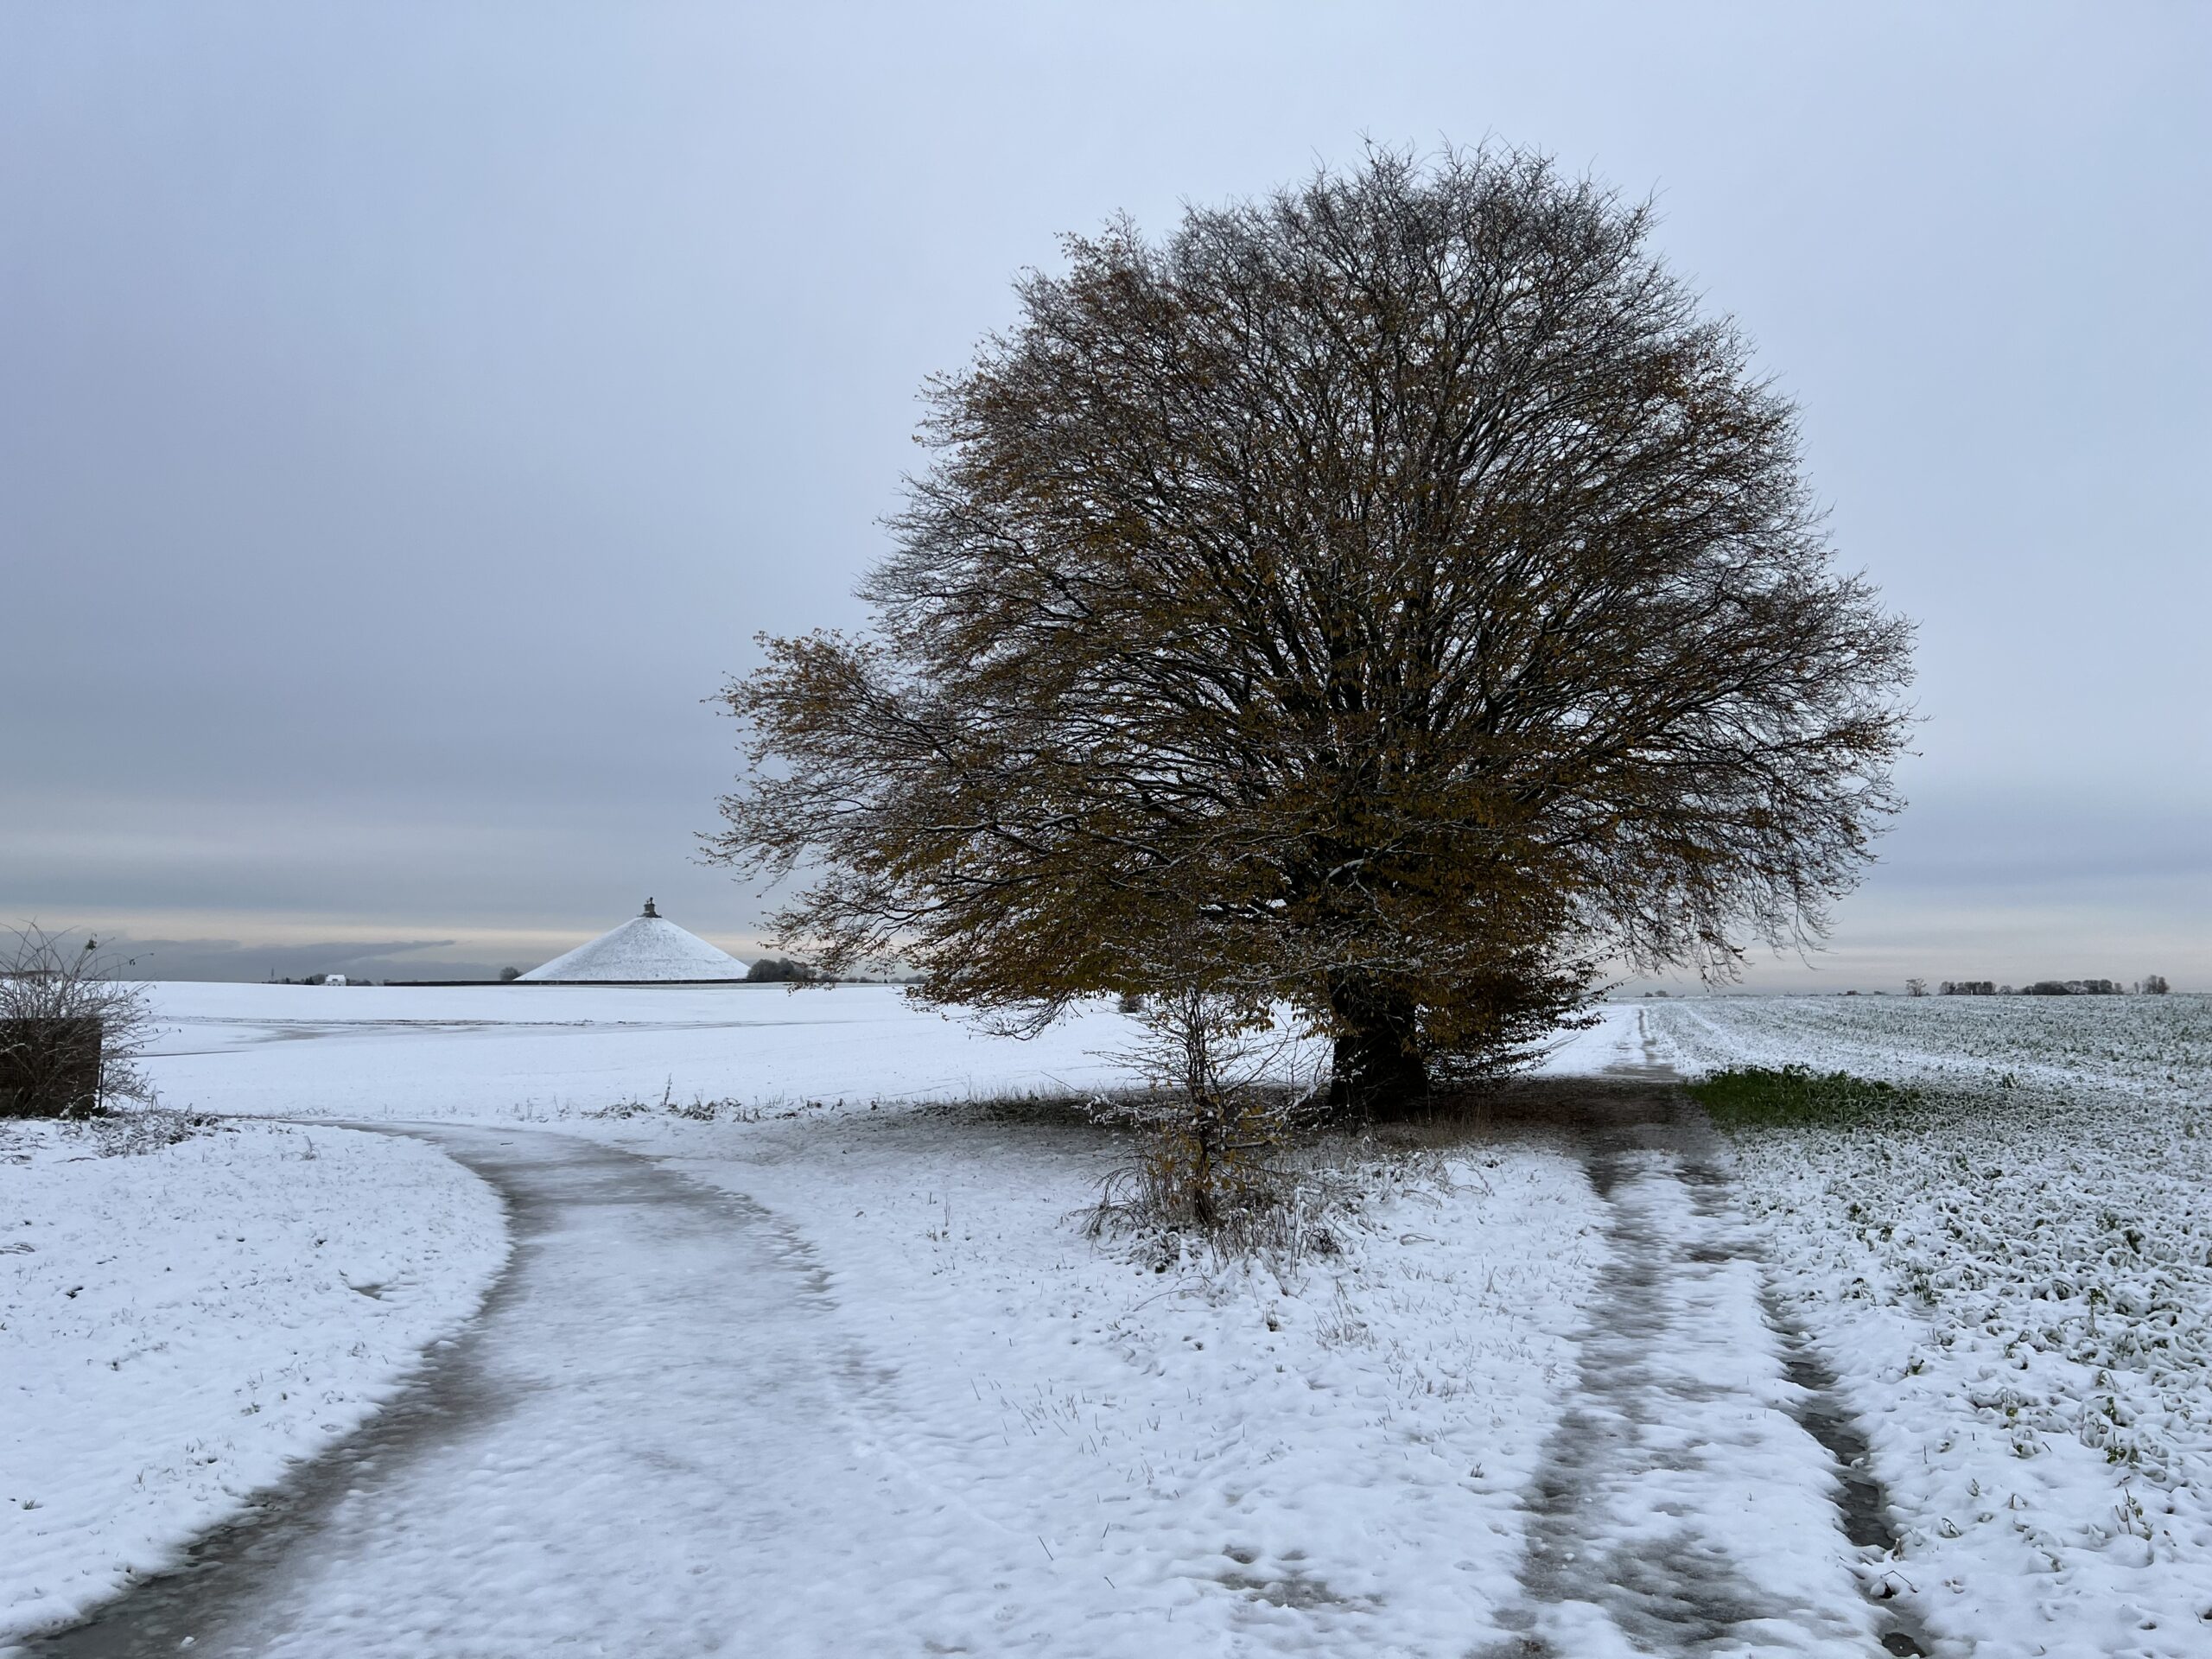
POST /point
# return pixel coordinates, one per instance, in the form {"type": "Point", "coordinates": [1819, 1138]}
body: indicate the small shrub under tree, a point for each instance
{"type": "Point", "coordinates": [1216, 1113]}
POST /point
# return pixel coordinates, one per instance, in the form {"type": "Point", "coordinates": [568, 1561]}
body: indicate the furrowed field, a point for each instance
{"type": "Point", "coordinates": [2007, 1261]}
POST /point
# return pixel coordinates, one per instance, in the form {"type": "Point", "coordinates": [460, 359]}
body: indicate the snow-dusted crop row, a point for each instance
{"type": "Point", "coordinates": [2159, 1048]}
{"type": "Point", "coordinates": [2012, 1272]}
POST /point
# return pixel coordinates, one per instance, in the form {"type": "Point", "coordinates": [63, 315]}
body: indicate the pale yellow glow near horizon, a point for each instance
{"type": "Point", "coordinates": [278, 929]}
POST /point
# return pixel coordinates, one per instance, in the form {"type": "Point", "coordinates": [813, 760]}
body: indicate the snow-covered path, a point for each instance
{"type": "Point", "coordinates": [1684, 1507]}
{"type": "Point", "coordinates": [564, 1478]}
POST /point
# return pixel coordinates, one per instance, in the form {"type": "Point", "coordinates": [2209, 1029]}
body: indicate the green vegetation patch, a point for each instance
{"type": "Point", "coordinates": [1757, 1097]}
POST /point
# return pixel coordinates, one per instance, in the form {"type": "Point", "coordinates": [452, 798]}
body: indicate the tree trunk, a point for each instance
{"type": "Point", "coordinates": [1378, 1071]}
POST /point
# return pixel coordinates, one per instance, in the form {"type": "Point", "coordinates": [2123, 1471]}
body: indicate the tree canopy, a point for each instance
{"type": "Point", "coordinates": [1391, 597]}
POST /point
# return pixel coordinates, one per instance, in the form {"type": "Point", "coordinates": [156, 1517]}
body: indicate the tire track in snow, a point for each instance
{"type": "Point", "coordinates": [1688, 1503]}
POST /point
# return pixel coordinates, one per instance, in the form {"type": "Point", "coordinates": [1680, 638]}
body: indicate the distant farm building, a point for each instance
{"type": "Point", "coordinates": [647, 950]}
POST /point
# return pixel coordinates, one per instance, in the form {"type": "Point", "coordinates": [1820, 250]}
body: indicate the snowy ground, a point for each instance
{"type": "Point", "coordinates": [802, 1350]}
{"type": "Point", "coordinates": [181, 1320]}
{"type": "Point", "coordinates": [1015, 1439]}
{"type": "Point", "coordinates": [544, 1053]}
{"type": "Point", "coordinates": [2013, 1278]}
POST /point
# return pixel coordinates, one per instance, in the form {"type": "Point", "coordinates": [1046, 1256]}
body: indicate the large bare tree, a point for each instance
{"type": "Point", "coordinates": [1392, 598]}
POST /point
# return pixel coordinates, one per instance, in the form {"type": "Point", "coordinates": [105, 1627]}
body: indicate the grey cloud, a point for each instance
{"type": "Point", "coordinates": [402, 431]}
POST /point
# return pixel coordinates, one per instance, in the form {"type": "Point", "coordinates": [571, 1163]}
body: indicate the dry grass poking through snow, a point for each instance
{"type": "Point", "coordinates": [1305, 1190]}
{"type": "Point", "coordinates": [2009, 1263]}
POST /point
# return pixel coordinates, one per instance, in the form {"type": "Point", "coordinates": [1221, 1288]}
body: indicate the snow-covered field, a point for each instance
{"type": "Point", "coordinates": [1329, 1447]}
{"type": "Point", "coordinates": [2013, 1278]}
{"type": "Point", "coordinates": [1014, 1438]}
{"type": "Point", "coordinates": [544, 1053]}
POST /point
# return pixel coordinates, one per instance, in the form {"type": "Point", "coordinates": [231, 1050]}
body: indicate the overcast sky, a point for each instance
{"type": "Point", "coordinates": [409, 413]}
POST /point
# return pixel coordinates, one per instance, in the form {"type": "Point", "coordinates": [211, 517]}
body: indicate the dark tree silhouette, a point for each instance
{"type": "Point", "coordinates": [778, 970]}
{"type": "Point", "coordinates": [1390, 598]}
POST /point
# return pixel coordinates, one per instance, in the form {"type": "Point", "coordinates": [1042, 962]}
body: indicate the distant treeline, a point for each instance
{"type": "Point", "coordinates": [779, 970]}
{"type": "Point", "coordinates": [2154, 985]}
